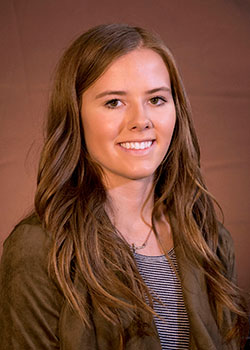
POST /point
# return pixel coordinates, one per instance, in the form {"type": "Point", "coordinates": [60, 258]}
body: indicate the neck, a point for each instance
{"type": "Point", "coordinates": [130, 210]}
{"type": "Point", "coordinates": [131, 205]}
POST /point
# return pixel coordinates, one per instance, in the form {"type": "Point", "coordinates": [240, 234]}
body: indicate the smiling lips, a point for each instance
{"type": "Point", "coordinates": [136, 145]}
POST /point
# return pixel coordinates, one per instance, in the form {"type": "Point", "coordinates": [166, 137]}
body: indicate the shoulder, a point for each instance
{"type": "Point", "coordinates": [27, 245]}
{"type": "Point", "coordinates": [26, 254]}
{"type": "Point", "coordinates": [26, 234]}
{"type": "Point", "coordinates": [225, 251]}
{"type": "Point", "coordinates": [225, 238]}
{"type": "Point", "coordinates": [30, 301]}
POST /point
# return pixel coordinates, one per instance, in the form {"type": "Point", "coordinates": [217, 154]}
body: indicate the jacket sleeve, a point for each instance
{"type": "Point", "coordinates": [30, 302]}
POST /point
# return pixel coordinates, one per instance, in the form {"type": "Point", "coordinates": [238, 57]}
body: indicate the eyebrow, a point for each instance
{"type": "Point", "coordinates": [122, 93]}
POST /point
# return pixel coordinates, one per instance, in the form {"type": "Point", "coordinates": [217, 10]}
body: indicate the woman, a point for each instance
{"type": "Point", "coordinates": [124, 250]}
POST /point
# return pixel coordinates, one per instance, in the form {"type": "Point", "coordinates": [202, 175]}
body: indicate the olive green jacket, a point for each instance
{"type": "Point", "coordinates": [34, 314]}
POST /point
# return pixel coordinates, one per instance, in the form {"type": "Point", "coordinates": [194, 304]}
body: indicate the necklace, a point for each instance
{"type": "Point", "coordinates": [134, 247]}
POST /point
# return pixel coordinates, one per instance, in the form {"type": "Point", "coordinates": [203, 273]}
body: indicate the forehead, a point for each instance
{"type": "Point", "coordinates": [137, 60]}
{"type": "Point", "coordinates": [139, 68]}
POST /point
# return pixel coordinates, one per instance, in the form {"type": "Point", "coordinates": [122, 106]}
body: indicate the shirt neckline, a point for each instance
{"type": "Point", "coordinates": [170, 253]}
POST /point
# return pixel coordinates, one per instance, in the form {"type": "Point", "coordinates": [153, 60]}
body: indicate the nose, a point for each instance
{"type": "Point", "coordinates": [139, 119]}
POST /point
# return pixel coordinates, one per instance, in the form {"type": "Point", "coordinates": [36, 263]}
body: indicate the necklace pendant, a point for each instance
{"type": "Point", "coordinates": [133, 247]}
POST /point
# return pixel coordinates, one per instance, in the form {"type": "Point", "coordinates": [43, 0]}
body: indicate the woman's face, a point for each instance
{"type": "Point", "coordinates": [128, 116]}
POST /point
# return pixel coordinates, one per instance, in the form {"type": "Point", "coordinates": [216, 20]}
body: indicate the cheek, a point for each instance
{"type": "Point", "coordinates": [167, 124]}
{"type": "Point", "coordinates": [101, 128]}
{"type": "Point", "coordinates": [99, 136]}
{"type": "Point", "coordinates": [93, 140]}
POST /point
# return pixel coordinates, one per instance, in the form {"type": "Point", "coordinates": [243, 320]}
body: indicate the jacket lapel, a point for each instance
{"type": "Point", "coordinates": [204, 333]}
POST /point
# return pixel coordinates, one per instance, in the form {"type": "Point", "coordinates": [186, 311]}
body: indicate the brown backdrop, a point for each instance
{"type": "Point", "coordinates": [210, 40]}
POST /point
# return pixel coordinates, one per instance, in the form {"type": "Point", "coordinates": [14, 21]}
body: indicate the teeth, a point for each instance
{"type": "Point", "coordinates": [136, 145]}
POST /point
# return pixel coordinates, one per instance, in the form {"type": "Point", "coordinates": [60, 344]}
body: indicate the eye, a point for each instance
{"type": "Point", "coordinates": [157, 100]}
{"type": "Point", "coordinates": [114, 103]}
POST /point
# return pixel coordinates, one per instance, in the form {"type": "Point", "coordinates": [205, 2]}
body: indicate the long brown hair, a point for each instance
{"type": "Point", "coordinates": [70, 194]}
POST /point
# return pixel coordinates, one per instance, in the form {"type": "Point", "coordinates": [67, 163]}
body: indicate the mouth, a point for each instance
{"type": "Point", "coordinates": [137, 145]}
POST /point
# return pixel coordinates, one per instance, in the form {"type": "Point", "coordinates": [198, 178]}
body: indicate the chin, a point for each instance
{"type": "Point", "coordinates": [140, 176]}
{"type": "Point", "coordinates": [114, 176]}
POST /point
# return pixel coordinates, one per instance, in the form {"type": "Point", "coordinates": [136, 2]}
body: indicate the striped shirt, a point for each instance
{"type": "Point", "coordinates": [159, 276]}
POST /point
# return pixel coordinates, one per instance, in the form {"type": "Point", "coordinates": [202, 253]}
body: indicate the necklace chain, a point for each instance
{"type": "Point", "coordinates": [134, 247]}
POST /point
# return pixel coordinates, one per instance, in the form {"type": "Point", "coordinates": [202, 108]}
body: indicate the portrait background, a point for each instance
{"type": "Point", "coordinates": [210, 40]}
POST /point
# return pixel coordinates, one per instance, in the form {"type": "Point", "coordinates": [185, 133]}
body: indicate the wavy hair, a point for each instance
{"type": "Point", "coordinates": [70, 198]}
